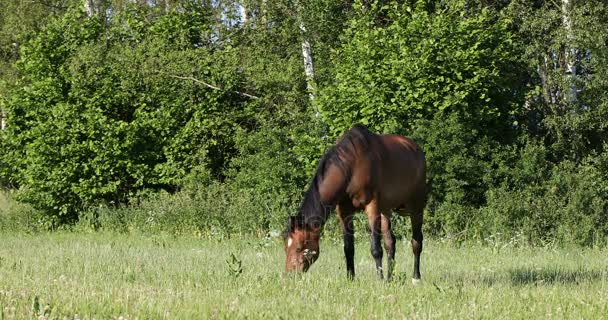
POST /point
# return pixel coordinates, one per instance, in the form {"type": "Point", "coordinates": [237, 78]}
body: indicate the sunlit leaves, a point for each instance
{"type": "Point", "coordinates": [452, 59]}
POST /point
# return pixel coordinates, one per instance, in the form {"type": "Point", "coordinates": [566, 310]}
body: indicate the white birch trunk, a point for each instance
{"type": "Point", "coordinates": [244, 13]}
{"type": "Point", "coordinates": [570, 53]}
{"type": "Point", "coordinates": [90, 7]}
{"type": "Point", "coordinates": [309, 70]}
{"type": "Point", "coordinates": [2, 121]}
{"type": "Point", "coordinates": [308, 63]}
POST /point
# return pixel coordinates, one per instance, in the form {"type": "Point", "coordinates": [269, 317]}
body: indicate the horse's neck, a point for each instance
{"type": "Point", "coordinates": [333, 185]}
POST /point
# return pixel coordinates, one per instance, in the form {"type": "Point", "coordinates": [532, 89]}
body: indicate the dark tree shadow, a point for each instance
{"type": "Point", "coordinates": [523, 276]}
{"type": "Point", "coordinates": [526, 276]}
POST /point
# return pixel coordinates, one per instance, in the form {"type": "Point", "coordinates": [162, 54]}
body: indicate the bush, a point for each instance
{"type": "Point", "coordinates": [569, 206]}
{"type": "Point", "coordinates": [15, 216]}
{"type": "Point", "coordinates": [461, 165]}
{"type": "Point", "coordinates": [101, 113]}
{"type": "Point", "coordinates": [452, 56]}
{"type": "Point", "coordinates": [217, 210]}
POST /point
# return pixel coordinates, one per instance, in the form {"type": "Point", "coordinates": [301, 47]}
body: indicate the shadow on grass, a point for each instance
{"type": "Point", "coordinates": [527, 276]}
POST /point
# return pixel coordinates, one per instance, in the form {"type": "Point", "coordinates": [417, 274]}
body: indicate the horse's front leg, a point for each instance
{"type": "Point", "coordinates": [345, 216]}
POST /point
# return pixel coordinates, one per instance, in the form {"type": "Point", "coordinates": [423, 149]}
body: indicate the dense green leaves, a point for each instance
{"type": "Point", "coordinates": [104, 112]}
{"type": "Point", "coordinates": [454, 59]}
{"type": "Point", "coordinates": [207, 102]}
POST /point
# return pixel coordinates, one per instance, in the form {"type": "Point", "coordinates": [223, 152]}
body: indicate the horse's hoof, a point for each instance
{"type": "Point", "coordinates": [416, 282]}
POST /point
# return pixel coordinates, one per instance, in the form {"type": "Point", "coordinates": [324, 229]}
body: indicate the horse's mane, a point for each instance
{"type": "Point", "coordinates": [312, 212]}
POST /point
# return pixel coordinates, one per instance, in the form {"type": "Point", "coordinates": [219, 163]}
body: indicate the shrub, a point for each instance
{"type": "Point", "coordinates": [569, 206]}
{"type": "Point", "coordinates": [101, 114]}
{"type": "Point", "coordinates": [15, 216]}
{"type": "Point", "coordinates": [217, 210]}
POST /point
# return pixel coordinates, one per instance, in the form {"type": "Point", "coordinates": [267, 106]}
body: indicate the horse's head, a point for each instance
{"type": "Point", "coordinates": [301, 245]}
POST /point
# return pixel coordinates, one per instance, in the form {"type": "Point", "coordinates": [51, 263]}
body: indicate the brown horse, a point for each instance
{"type": "Point", "coordinates": [376, 173]}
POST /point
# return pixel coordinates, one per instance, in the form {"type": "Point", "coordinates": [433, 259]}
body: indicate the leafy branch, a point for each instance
{"type": "Point", "coordinates": [214, 87]}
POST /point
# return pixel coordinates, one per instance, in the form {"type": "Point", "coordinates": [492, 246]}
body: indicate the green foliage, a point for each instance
{"type": "Point", "coordinates": [458, 158]}
{"type": "Point", "coordinates": [216, 210]}
{"type": "Point", "coordinates": [103, 112]}
{"type": "Point", "coordinates": [185, 117]}
{"type": "Point", "coordinates": [571, 106]}
{"type": "Point", "coordinates": [265, 166]}
{"type": "Point", "coordinates": [235, 268]}
{"type": "Point", "coordinates": [454, 59]}
{"type": "Point", "coordinates": [91, 275]}
{"type": "Point", "coordinates": [18, 20]}
{"type": "Point", "coordinates": [15, 216]}
{"type": "Point", "coordinates": [569, 207]}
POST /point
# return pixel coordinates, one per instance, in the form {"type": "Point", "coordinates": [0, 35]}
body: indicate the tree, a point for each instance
{"type": "Point", "coordinates": [18, 20]}
{"type": "Point", "coordinates": [107, 109]}
{"type": "Point", "coordinates": [565, 53]}
{"type": "Point", "coordinates": [454, 59]}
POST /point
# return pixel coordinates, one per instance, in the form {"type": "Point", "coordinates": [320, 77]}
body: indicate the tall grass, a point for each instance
{"type": "Point", "coordinates": [217, 210]}
{"type": "Point", "coordinates": [16, 216]}
{"type": "Point", "coordinates": [110, 275]}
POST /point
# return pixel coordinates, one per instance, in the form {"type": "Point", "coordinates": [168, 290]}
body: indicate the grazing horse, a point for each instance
{"type": "Point", "coordinates": [376, 173]}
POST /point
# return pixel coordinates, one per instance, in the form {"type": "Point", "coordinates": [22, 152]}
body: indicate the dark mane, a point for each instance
{"type": "Point", "coordinates": [312, 212]}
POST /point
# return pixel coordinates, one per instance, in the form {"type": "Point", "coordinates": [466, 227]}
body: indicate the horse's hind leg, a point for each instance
{"type": "Point", "coordinates": [345, 216]}
{"type": "Point", "coordinates": [389, 243]}
{"type": "Point", "coordinates": [375, 222]}
{"type": "Point", "coordinates": [417, 238]}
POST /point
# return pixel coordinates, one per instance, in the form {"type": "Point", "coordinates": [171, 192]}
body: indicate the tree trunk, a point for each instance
{"type": "Point", "coordinates": [570, 54]}
{"type": "Point", "coordinates": [308, 63]}
{"type": "Point", "coordinates": [244, 13]}
{"type": "Point", "coordinates": [96, 7]}
{"type": "Point", "coordinates": [309, 70]}
{"type": "Point", "coordinates": [90, 7]}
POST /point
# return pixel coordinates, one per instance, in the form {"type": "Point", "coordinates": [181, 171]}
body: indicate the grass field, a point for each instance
{"type": "Point", "coordinates": [117, 276]}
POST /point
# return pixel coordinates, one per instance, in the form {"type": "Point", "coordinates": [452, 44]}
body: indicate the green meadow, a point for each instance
{"type": "Point", "coordinates": [152, 150]}
{"type": "Point", "coordinates": [102, 275]}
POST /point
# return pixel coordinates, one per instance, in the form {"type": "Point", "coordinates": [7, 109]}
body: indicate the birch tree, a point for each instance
{"type": "Point", "coordinates": [92, 7]}
{"type": "Point", "coordinates": [567, 55]}
{"type": "Point", "coordinates": [307, 54]}
{"type": "Point", "coordinates": [309, 69]}
{"type": "Point", "coordinates": [570, 53]}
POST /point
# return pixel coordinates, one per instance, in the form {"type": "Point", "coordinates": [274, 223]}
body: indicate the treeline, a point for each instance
{"type": "Point", "coordinates": [209, 116]}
